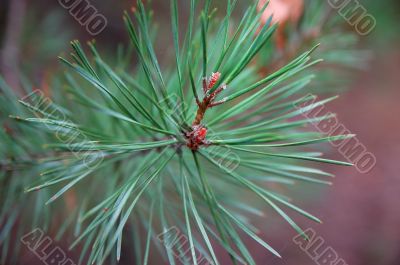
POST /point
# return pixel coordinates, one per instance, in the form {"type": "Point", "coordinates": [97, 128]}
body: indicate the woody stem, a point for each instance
{"type": "Point", "coordinates": [200, 112]}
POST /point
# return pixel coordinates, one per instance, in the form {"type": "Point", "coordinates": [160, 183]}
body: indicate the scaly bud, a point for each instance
{"type": "Point", "coordinates": [213, 79]}
{"type": "Point", "coordinates": [202, 133]}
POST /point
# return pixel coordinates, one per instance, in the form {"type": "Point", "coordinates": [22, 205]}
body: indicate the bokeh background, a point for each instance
{"type": "Point", "coordinates": [361, 212]}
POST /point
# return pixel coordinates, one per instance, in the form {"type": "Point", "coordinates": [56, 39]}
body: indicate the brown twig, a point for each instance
{"type": "Point", "coordinates": [197, 136]}
{"type": "Point", "coordinates": [208, 100]}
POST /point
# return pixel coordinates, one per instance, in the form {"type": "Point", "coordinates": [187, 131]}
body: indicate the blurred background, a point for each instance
{"type": "Point", "coordinates": [361, 212]}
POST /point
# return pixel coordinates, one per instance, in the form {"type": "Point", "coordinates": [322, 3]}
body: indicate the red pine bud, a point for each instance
{"type": "Point", "coordinates": [202, 133]}
{"type": "Point", "coordinates": [214, 79]}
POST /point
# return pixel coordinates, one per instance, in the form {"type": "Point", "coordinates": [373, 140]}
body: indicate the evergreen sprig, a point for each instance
{"type": "Point", "coordinates": [150, 148]}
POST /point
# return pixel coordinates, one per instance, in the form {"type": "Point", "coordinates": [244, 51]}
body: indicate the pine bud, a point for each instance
{"type": "Point", "coordinates": [214, 79]}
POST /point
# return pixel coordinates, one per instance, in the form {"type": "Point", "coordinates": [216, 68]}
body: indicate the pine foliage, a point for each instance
{"type": "Point", "coordinates": [190, 145]}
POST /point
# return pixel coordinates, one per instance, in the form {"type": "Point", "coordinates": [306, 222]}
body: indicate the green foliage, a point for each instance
{"type": "Point", "coordinates": [114, 142]}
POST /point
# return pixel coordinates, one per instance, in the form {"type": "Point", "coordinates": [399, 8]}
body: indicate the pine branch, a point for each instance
{"type": "Point", "coordinates": [166, 143]}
